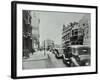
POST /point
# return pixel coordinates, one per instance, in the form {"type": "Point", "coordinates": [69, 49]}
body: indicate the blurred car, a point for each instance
{"type": "Point", "coordinates": [58, 53]}
{"type": "Point", "coordinates": [83, 54]}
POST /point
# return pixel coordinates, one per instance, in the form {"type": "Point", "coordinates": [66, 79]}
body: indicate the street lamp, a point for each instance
{"type": "Point", "coordinates": [44, 48]}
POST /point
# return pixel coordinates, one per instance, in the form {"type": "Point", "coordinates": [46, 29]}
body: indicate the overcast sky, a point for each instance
{"type": "Point", "coordinates": [51, 24]}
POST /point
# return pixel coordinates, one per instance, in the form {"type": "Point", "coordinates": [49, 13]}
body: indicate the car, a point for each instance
{"type": "Point", "coordinates": [58, 53]}
{"type": "Point", "coordinates": [84, 55]}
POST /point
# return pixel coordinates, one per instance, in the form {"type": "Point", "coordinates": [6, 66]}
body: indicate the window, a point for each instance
{"type": "Point", "coordinates": [75, 32]}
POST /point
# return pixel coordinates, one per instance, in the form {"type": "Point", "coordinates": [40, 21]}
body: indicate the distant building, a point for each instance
{"type": "Point", "coordinates": [86, 26]}
{"type": "Point", "coordinates": [57, 46]}
{"type": "Point", "coordinates": [35, 30]}
{"type": "Point", "coordinates": [48, 44]}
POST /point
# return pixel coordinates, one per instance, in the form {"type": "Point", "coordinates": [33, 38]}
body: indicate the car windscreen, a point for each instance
{"type": "Point", "coordinates": [67, 52]}
{"type": "Point", "coordinates": [59, 50]}
{"type": "Point", "coordinates": [84, 51]}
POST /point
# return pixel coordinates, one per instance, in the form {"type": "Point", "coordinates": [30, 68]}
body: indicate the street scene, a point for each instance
{"type": "Point", "coordinates": [56, 39]}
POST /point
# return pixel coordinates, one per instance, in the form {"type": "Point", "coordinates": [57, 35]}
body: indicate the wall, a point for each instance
{"type": "Point", "coordinates": [35, 29]}
{"type": "Point", "coordinates": [5, 40]}
{"type": "Point", "coordinates": [85, 23]}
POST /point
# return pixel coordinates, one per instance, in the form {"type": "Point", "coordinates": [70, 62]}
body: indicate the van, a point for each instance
{"type": "Point", "coordinates": [83, 52]}
{"type": "Point", "coordinates": [58, 53]}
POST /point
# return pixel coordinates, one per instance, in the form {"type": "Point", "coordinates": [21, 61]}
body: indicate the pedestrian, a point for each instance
{"type": "Point", "coordinates": [32, 50]}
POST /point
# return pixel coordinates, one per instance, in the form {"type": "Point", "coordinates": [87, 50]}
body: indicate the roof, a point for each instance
{"type": "Point", "coordinates": [78, 46]}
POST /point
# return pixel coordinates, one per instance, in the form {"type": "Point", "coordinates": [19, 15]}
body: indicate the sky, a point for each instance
{"type": "Point", "coordinates": [51, 24]}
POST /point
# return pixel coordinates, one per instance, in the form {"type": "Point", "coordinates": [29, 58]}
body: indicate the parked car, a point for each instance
{"type": "Point", "coordinates": [84, 55]}
{"type": "Point", "coordinates": [58, 53]}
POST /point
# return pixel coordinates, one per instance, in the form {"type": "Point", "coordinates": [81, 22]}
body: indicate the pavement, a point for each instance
{"type": "Point", "coordinates": [37, 56]}
{"type": "Point", "coordinates": [40, 60]}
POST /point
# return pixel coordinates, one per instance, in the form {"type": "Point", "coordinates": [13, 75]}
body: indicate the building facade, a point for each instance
{"type": "Point", "coordinates": [72, 35]}
{"type": "Point", "coordinates": [77, 33]}
{"type": "Point", "coordinates": [30, 31]}
{"type": "Point", "coordinates": [66, 35]}
{"type": "Point", "coordinates": [48, 44]}
{"type": "Point", "coordinates": [76, 37]}
{"type": "Point", "coordinates": [35, 30]}
{"type": "Point", "coordinates": [27, 32]}
{"type": "Point", "coordinates": [86, 26]}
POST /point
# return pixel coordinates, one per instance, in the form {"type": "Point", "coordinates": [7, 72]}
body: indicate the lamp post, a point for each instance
{"type": "Point", "coordinates": [44, 48]}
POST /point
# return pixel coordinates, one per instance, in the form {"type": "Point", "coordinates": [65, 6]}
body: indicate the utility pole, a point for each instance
{"type": "Point", "coordinates": [44, 48]}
